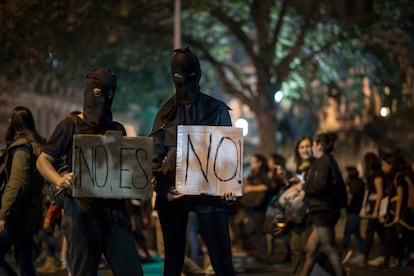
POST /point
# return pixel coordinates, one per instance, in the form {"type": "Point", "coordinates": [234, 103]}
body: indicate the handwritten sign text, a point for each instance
{"type": "Point", "coordinates": [112, 166]}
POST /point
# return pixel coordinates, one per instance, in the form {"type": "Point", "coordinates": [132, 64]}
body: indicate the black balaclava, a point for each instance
{"type": "Point", "coordinates": [100, 85]}
{"type": "Point", "coordinates": [186, 74]}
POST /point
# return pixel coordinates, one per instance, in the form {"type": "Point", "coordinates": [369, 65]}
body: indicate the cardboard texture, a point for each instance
{"type": "Point", "coordinates": [112, 166]}
{"type": "Point", "coordinates": [209, 160]}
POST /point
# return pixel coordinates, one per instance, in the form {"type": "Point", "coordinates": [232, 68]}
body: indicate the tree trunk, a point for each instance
{"type": "Point", "coordinates": [266, 124]}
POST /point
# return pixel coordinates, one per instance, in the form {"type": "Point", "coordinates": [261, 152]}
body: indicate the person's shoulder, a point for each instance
{"type": "Point", "coordinates": [68, 121]}
{"type": "Point", "coordinates": [166, 107]}
{"type": "Point", "coordinates": [170, 102]}
{"type": "Point", "coordinates": [63, 130]}
{"type": "Point", "coordinates": [37, 148]}
{"type": "Point", "coordinates": [21, 144]}
{"type": "Point", "coordinates": [402, 177]}
{"type": "Point", "coordinates": [118, 126]}
{"type": "Point", "coordinates": [377, 174]}
{"type": "Point", "coordinates": [361, 181]}
{"type": "Point", "coordinates": [324, 159]}
{"type": "Point", "coordinates": [207, 98]}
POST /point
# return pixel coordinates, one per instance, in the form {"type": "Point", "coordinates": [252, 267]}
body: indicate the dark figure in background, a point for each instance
{"type": "Point", "coordinates": [21, 203]}
{"type": "Point", "coordinates": [189, 106]}
{"type": "Point", "coordinates": [325, 197]}
{"type": "Point", "coordinates": [393, 165]}
{"type": "Point", "coordinates": [257, 184]}
{"type": "Point", "coordinates": [279, 177]}
{"type": "Point", "coordinates": [374, 179]}
{"type": "Point", "coordinates": [92, 226]}
{"type": "Point", "coordinates": [140, 216]}
{"type": "Point", "coordinates": [356, 188]}
{"type": "Point", "coordinates": [300, 231]}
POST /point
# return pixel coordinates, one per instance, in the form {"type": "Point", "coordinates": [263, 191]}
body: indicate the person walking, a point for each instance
{"type": "Point", "coordinates": [92, 226]}
{"type": "Point", "coordinates": [374, 179]}
{"type": "Point", "coordinates": [303, 157]}
{"type": "Point", "coordinates": [326, 198]}
{"type": "Point", "coordinates": [22, 200]}
{"type": "Point", "coordinates": [393, 166]}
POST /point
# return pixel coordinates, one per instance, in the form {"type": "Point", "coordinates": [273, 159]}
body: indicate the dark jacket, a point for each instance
{"type": "Point", "coordinates": [22, 199]}
{"type": "Point", "coordinates": [356, 189]}
{"type": "Point", "coordinates": [206, 110]}
{"type": "Point", "coordinates": [321, 186]}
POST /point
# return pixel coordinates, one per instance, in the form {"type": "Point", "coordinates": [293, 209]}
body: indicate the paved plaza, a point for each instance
{"type": "Point", "coordinates": [246, 265]}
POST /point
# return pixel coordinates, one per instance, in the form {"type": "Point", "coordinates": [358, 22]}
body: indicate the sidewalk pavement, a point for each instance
{"type": "Point", "coordinates": [246, 265]}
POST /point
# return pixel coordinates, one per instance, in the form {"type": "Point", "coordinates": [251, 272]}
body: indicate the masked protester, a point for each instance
{"type": "Point", "coordinates": [92, 226]}
{"type": "Point", "coordinates": [189, 106]}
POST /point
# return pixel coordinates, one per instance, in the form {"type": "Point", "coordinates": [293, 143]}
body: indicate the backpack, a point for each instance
{"type": "Point", "coordinates": [4, 172]}
{"type": "Point", "coordinates": [292, 202]}
{"type": "Point", "coordinates": [275, 222]}
{"type": "Point", "coordinates": [5, 166]}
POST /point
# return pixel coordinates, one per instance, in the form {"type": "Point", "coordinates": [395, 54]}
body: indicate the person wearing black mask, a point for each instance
{"type": "Point", "coordinates": [92, 226]}
{"type": "Point", "coordinates": [189, 106]}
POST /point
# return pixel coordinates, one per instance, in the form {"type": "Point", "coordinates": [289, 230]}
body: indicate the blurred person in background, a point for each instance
{"type": "Point", "coordinates": [326, 199]}
{"type": "Point", "coordinates": [392, 164]}
{"type": "Point", "coordinates": [356, 188]}
{"type": "Point", "coordinates": [303, 157]}
{"type": "Point", "coordinates": [21, 203]}
{"type": "Point", "coordinates": [374, 179]}
{"type": "Point", "coordinates": [279, 177]}
{"type": "Point", "coordinates": [254, 205]}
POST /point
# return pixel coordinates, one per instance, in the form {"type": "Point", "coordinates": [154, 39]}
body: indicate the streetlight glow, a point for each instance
{"type": "Point", "coordinates": [242, 123]}
{"type": "Point", "coordinates": [278, 96]}
{"type": "Point", "coordinates": [385, 111]}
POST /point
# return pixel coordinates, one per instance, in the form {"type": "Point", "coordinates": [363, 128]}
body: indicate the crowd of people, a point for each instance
{"type": "Point", "coordinates": [380, 196]}
{"type": "Point", "coordinates": [50, 229]}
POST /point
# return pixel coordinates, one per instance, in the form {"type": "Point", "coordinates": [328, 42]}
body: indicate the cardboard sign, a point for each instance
{"type": "Point", "coordinates": [209, 160]}
{"type": "Point", "coordinates": [112, 166]}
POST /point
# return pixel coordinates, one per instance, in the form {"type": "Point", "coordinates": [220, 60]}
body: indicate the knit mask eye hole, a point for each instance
{"type": "Point", "coordinates": [97, 92]}
{"type": "Point", "coordinates": [110, 94]}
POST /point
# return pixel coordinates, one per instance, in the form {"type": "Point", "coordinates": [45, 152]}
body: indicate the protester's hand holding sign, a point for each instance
{"type": "Point", "coordinates": [229, 196]}
{"type": "Point", "coordinates": [68, 180]}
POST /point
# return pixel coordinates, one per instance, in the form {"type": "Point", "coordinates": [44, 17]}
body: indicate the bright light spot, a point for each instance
{"type": "Point", "coordinates": [387, 90]}
{"type": "Point", "coordinates": [242, 123]}
{"type": "Point", "coordinates": [385, 111]}
{"type": "Point", "coordinates": [278, 96]}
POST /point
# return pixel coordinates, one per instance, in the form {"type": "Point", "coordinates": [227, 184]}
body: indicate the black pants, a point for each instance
{"type": "Point", "coordinates": [96, 231]}
{"type": "Point", "coordinates": [373, 225]}
{"type": "Point", "coordinates": [214, 227]}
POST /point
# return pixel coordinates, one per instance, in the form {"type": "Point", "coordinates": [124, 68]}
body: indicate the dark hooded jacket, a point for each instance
{"type": "Point", "coordinates": [189, 106]}
{"type": "Point", "coordinates": [22, 199]}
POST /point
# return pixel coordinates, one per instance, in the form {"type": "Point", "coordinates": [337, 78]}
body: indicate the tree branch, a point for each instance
{"type": "Point", "coordinates": [235, 28]}
{"type": "Point", "coordinates": [279, 23]}
{"type": "Point", "coordinates": [220, 68]}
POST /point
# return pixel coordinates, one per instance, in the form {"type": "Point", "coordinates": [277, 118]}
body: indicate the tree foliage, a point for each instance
{"type": "Point", "coordinates": [254, 48]}
{"type": "Point", "coordinates": [62, 40]}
